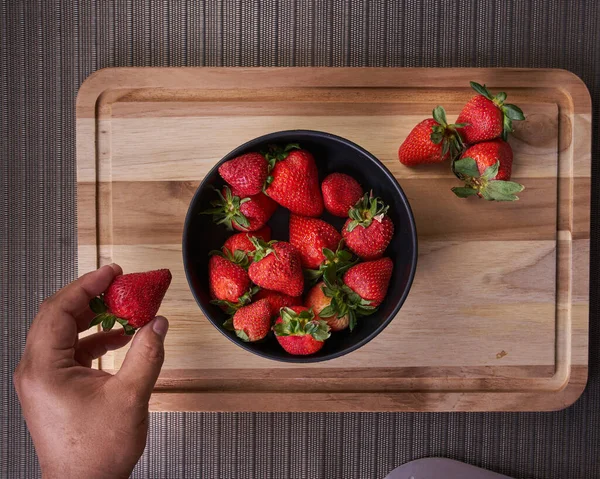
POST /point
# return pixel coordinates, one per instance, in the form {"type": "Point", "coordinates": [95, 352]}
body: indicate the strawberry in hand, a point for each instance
{"type": "Point", "coordinates": [369, 229]}
{"type": "Point", "coordinates": [243, 214]}
{"type": "Point", "coordinates": [131, 300]}
{"type": "Point", "coordinates": [486, 170]}
{"type": "Point", "coordinates": [246, 174]}
{"type": "Point", "coordinates": [294, 181]}
{"type": "Point", "coordinates": [431, 141]}
{"type": "Point", "coordinates": [299, 332]}
{"type": "Point", "coordinates": [486, 117]}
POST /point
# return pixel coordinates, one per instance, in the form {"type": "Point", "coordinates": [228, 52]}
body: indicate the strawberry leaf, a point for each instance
{"type": "Point", "coordinates": [327, 312]}
{"type": "Point", "coordinates": [97, 320]}
{"type": "Point", "coordinates": [228, 324]}
{"type": "Point", "coordinates": [241, 258]}
{"type": "Point", "coordinates": [502, 190]}
{"type": "Point", "coordinates": [445, 148]}
{"type": "Point", "coordinates": [227, 306]}
{"type": "Point", "coordinates": [318, 329]}
{"type": "Point", "coordinates": [464, 191]}
{"type": "Point", "coordinates": [329, 255]}
{"type": "Point", "coordinates": [513, 112]}
{"type": "Point", "coordinates": [291, 146]}
{"type": "Point", "coordinates": [482, 90]}
{"type": "Point", "coordinates": [491, 171]}
{"type": "Point", "coordinates": [129, 330]}
{"type": "Point", "coordinates": [312, 275]}
{"type": "Point", "coordinates": [242, 335]}
{"type": "Point", "coordinates": [352, 320]}
{"type": "Point", "coordinates": [439, 115]}
{"type": "Point", "coordinates": [437, 138]}
{"type": "Point", "coordinates": [108, 322]}
{"type": "Point", "coordinates": [466, 167]}
{"type": "Point", "coordinates": [226, 210]}
{"type": "Point", "coordinates": [365, 210]}
{"type": "Point", "coordinates": [97, 306]}
{"type": "Point", "coordinates": [275, 153]}
{"type": "Point", "coordinates": [261, 248]}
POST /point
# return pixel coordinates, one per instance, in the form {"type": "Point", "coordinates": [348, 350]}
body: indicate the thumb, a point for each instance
{"type": "Point", "coordinates": [144, 359]}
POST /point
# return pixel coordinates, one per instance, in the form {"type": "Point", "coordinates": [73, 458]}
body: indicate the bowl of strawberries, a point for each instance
{"type": "Point", "coordinates": [300, 246]}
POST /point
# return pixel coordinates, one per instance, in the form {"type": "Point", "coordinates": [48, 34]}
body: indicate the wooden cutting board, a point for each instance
{"type": "Point", "coordinates": [497, 318]}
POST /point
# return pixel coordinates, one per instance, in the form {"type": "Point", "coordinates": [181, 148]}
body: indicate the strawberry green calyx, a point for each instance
{"type": "Point", "coordinates": [226, 209]}
{"type": "Point", "coordinates": [275, 153]}
{"type": "Point", "coordinates": [300, 324]}
{"type": "Point", "coordinates": [510, 112]}
{"type": "Point", "coordinates": [446, 134]}
{"type": "Point", "coordinates": [238, 257]}
{"type": "Point", "coordinates": [262, 248]}
{"type": "Point", "coordinates": [339, 261]}
{"type": "Point", "coordinates": [344, 301]}
{"type": "Point", "coordinates": [107, 319]}
{"type": "Point", "coordinates": [231, 308]}
{"type": "Point", "coordinates": [367, 209]}
{"type": "Point", "coordinates": [484, 185]}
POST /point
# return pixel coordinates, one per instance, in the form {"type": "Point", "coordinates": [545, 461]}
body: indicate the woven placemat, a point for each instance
{"type": "Point", "coordinates": [48, 48]}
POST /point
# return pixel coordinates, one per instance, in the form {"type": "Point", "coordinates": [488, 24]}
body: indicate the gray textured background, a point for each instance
{"type": "Point", "coordinates": [48, 49]}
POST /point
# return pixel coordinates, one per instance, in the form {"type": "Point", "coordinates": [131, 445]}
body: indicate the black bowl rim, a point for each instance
{"type": "Point", "coordinates": [274, 136]}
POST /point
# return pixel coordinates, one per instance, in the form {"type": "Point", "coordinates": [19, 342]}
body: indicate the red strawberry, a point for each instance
{"type": "Point", "coordinates": [340, 193]}
{"type": "Point", "coordinates": [318, 302]}
{"type": "Point", "coordinates": [370, 280]}
{"type": "Point", "coordinates": [246, 174]}
{"type": "Point", "coordinates": [243, 214]}
{"type": "Point", "coordinates": [276, 300]}
{"type": "Point", "coordinates": [310, 236]}
{"type": "Point", "coordinates": [132, 300]}
{"type": "Point", "coordinates": [228, 282]}
{"type": "Point", "coordinates": [431, 141]}
{"type": "Point", "coordinates": [369, 229]}
{"type": "Point", "coordinates": [486, 168]}
{"type": "Point", "coordinates": [241, 242]}
{"type": "Point", "coordinates": [253, 322]}
{"type": "Point", "coordinates": [277, 266]}
{"type": "Point", "coordinates": [299, 332]}
{"type": "Point", "coordinates": [486, 117]}
{"type": "Point", "coordinates": [294, 181]}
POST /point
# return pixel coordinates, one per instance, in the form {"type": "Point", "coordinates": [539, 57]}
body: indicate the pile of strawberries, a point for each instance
{"type": "Point", "coordinates": [476, 145]}
{"type": "Point", "coordinates": [260, 282]}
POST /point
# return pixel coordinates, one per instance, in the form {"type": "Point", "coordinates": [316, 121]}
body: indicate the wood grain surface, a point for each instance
{"type": "Point", "coordinates": [497, 318]}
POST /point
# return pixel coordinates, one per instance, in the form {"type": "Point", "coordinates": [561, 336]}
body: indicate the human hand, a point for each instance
{"type": "Point", "coordinates": [85, 422]}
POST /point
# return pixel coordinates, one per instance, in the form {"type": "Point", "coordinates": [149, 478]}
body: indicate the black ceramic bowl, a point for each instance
{"type": "Point", "coordinates": [332, 154]}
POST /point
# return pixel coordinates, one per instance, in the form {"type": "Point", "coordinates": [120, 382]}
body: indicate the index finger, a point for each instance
{"type": "Point", "coordinates": [55, 327]}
